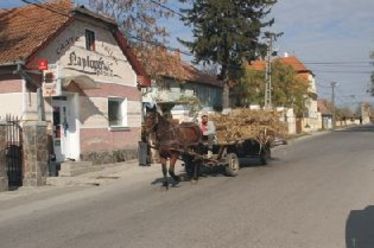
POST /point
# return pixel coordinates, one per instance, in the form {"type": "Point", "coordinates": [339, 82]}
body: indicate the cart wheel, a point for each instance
{"type": "Point", "coordinates": [232, 166]}
{"type": "Point", "coordinates": [265, 155]}
{"type": "Point", "coordinates": [189, 165]}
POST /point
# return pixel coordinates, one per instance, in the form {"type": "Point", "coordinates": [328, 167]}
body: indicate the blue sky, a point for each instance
{"type": "Point", "coordinates": [330, 31]}
{"type": "Point", "coordinates": [316, 31]}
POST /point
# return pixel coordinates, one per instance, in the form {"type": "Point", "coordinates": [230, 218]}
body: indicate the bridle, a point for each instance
{"type": "Point", "coordinates": [153, 128]}
{"type": "Point", "coordinates": [154, 121]}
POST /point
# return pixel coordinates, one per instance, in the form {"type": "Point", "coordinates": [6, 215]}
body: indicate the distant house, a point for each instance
{"type": "Point", "coordinates": [323, 108]}
{"type": "Point", "coordinates": [91, 93]}
{"type": "Point", "coordinates": [177, 80]}
{"type": "Point", "coordinates": [310, 120]}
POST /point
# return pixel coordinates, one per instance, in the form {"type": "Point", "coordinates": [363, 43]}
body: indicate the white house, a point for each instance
{"type": "Point", "coordinates": [91, 96]}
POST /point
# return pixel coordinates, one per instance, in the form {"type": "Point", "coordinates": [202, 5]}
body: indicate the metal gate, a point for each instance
{"type": "Point", "coordinates": [14, 166]}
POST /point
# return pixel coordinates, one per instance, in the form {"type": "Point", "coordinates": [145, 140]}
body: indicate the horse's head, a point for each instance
{"type": "Point", "coordinates": [151, 121]}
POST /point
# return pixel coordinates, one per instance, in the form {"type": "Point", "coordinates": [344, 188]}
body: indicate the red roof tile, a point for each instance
{"type": "Point", "coordinates": [294, 62]}
{"type": "Point", "coordinates": [194, 75]}
{"type": "Point", "coordinates": [161, 63]}
{"type": "Point", "coordinates": [25, 29]}
{"type": "Point", "coordinates": [258, 65]}
{"type": "Point", "coordinates": [322, 106]}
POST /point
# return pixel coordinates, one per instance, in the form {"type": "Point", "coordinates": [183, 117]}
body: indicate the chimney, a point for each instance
{"type": "Point", "coordinates": [286, 54]}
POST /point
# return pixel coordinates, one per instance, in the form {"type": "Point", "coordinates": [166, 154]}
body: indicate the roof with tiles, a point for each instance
{"type": "Point", "coordinates": [322, 106]}
{"type": "Point", "coordinates": [195, 75]}
{"type": "Point", "coordinates": [295, 63]}
{"type": "Point", "coordinates": [292, 61]}
{"type": "Point", "coordinates": [24, 29]}
{"type": "Point", "coordinates": [161, 63]}
{"type": "Point", "coordinates": [257, 65]}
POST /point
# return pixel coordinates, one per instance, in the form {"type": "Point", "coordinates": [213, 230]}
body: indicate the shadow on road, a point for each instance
{"type": "Point", "coordinates": [359, 230]}
{"type": "Point", "coordinates": [360, 129]}
{"type": "Point", "coordinates": [214, 171]}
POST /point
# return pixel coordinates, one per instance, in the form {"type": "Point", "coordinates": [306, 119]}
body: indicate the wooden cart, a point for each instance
{"type": "Point", "coordinates": [227, 155]}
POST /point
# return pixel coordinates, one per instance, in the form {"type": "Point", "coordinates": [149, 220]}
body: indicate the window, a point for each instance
{"type": "Point", "coordinates": [117, 112]}
{"type": "Point", "coordinates": [164, 85]}
{"type": "Point", "coordinates": [90, 40]}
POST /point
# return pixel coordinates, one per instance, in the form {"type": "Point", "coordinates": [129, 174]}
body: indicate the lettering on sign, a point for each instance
{"type": "Point", "coordinates": [65, 44]}
{"type": "Point", "coordinates": [87, 64]}
{"type": "Point", "coordinates": [50, 89]}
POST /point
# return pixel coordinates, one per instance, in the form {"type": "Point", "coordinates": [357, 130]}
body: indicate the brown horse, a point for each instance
{"type": "Point", "coordinates": [172, 141]}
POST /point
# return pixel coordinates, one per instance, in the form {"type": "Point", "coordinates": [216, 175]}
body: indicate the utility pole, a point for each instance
{"type": "Point", "coordinates": [333, 85]}
{"type": "Point", "coordinates": [268, 87]}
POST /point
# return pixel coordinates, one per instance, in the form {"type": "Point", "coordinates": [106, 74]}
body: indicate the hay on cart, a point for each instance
{"type": "Point", "coordinates": [241, 124]}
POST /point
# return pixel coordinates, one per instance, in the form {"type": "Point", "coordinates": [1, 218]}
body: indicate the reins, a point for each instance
{"type": "Point", "coordinates": [171, 128]}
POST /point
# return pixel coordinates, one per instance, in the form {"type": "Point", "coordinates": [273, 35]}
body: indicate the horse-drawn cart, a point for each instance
{"type": "Point", "coordinates": [227, 155]}
{"type": "Point", "coordinates": [238, 136]}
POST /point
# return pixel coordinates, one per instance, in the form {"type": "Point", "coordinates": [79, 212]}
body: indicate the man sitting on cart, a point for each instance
{"type": "Point", "coordinates": [209, 131]}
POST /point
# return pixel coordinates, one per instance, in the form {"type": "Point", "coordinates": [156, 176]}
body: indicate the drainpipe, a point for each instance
{"type": "Point", "coordinates": [39, 93]}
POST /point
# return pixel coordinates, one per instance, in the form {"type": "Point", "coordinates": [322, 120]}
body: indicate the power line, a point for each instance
{"type": "Point", "coordinates": [43, 4]}
{"type": "Point", "coordinates": [351, 96]}
{"type": "Point", "coordinates": [339, 62]}
{"type": "Point", "coordinates": [167, 8]}
{"type": "Point", "coordinates": [323, 86]}
{"type": "Point", "coordinates": [155, 43]}
{"type": "Point", "coordinates": [58, 11]}
{"type": "Point", "coordinates": [348, 72]}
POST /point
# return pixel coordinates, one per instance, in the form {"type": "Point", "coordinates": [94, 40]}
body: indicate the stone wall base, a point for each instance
{"type": "Point", "coordinates": [70, 168]}
{"type": "Point", "coordinates": [34, 181]}
{"type": "Point", "coordinates": [3, 184]}
{"type": "Point", "coordinates": [108, 157]}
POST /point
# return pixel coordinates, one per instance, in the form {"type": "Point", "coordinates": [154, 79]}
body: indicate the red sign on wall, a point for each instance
{"type": "Point", "coordinates": [43, 64]}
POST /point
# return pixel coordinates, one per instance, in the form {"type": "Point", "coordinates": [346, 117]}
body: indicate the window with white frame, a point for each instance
{"type": "Point", "coordinates": [117, 112]}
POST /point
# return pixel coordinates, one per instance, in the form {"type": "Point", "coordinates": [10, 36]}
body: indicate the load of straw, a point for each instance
{"type": "Point", "coordinates": [242, 124]}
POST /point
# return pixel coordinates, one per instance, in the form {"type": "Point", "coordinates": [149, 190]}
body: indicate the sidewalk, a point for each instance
{"type": "Point", "coordinates": [128, 171]}
{"type": "Point", "coordinates": [104, 176]}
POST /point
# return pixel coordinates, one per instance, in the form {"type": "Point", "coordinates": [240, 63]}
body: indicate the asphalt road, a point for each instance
{"type": "Point", "coordinates": [316, 192]}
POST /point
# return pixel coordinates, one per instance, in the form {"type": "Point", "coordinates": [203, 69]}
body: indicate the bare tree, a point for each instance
{"type": "Point", "coordinates": [138, 19]}
{"type": "Point", "coordinates": [141, 22]}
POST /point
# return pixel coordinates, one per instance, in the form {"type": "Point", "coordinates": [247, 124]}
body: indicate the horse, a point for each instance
{"type": "Point", "coordinates": [172, 141]}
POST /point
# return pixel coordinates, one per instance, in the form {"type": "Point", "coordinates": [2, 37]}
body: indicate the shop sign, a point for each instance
{"type": "Point", "coordinates": [89, 65]}
{"type": "Point", "coordinates": [51, 89]}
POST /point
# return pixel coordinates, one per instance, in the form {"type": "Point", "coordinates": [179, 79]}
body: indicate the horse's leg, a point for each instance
{"type": "Point", "coordinates": [173, 160]}
{"type": "Point", "coordinates": [164, 172]}
{"type": "Point", "coordinates": [200, 149]}
{"type": "Point", "coordinates": [196, 170]}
